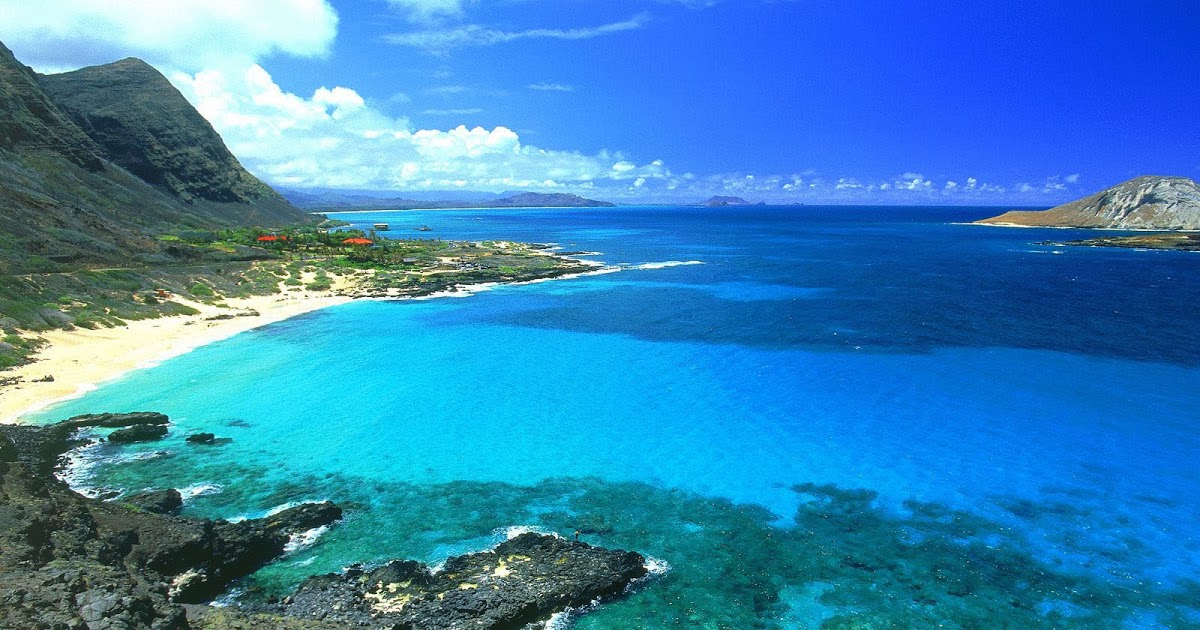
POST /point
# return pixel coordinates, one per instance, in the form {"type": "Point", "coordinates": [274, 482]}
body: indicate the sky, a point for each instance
{"type": "Point", "coordinates": [1006, 102]}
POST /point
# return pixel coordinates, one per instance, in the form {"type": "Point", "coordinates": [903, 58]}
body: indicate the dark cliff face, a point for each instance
{"type": "Point", "coordinates": [29, 119]}
{"type": "Point", "coordinates": [147, 127]}
{"type": "Point", "coordinates": [94, 163]}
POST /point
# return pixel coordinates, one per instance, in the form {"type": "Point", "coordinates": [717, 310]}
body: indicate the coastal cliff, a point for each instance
{"type": "Point", "coordinates": [1144, 203]}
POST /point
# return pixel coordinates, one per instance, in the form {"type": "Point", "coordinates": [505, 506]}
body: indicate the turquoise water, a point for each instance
{"type": "Point", "coordinates": [830, 417]}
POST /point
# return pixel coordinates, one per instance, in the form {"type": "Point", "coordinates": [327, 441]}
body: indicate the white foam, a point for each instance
{"type": "Point", "coordinates": [657, 567]}
{"type": "Point", "coordinates": [80, 467]}
{"type": "Point", "coordinates": [512, 532]}
{"type": "Point", "coordinates": [200, 489]}
{"type": "Point", "coordinates": [665, 264]}
{"type": "Point", "coordinates": [304, 539]}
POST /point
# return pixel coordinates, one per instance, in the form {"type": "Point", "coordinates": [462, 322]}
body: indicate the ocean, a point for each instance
{"type": "Point", "coordinates": [812, 417]}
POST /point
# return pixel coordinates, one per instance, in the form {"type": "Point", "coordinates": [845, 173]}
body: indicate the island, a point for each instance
{"type": "Point", "coordinates": [1143, 203]}
{"type": "Point", "coordinates": [330, 200]}
{"type": "Point", "coordinates": [721, 202]}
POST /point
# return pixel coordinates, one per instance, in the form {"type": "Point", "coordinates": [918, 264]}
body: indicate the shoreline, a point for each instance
{"type": "Point", "coordinates": [81, 360]}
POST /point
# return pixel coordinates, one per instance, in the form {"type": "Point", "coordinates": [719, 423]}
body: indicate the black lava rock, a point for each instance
{"type": "Point", "coordinates": [138, 433]}
{"type": "Point", "coordinates": [156, 501]}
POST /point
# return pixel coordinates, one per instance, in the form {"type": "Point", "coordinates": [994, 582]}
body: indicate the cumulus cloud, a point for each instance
{"type": "Point", "coordinates": [913, 181]}
{"type": "Point", "coordinates": [183, 34]}
{"type": "Point", "coordinates": [334, 138]}
{"type": "Point", "coordinates": [476, 35]}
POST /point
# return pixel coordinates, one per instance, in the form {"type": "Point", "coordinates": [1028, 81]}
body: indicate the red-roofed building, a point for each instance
{"type": "Point", "coordinates": [358, 241]}
{"type": "Point", "coordinates": [270, 238]}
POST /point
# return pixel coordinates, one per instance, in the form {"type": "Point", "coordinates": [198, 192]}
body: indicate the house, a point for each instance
{"type": "Point", "coordinates": [357, 241]}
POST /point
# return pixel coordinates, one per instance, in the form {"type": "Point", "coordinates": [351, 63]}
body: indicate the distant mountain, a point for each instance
{"type": "Point", "coordinates": [718, 201]}
{"type": "Point", "coordinates": [1151, 203]}
{"type": "Point", "coordinates": [543, 200]}
{"type": "Point", "coordinates": [95, 162]}
{"type": "Point", "coordinates": [324, 199]}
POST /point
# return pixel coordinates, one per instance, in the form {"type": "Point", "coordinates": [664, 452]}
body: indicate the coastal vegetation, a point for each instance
{"type": "Point", "coordinates": [1171, 241]}
{"type": "Point", "coordinates": [233, 263]}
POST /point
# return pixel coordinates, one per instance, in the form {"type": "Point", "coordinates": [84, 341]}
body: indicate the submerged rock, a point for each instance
{"type": "Point", "coordinates": [201, 438]}
{"type": "Point", "coordinates": [521, 581]}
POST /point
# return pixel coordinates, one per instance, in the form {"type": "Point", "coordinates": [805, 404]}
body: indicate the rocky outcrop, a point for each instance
{"type": "Point", "coordinates": [140, 433]}
{"type": "Point", "coordinates": [157, 501]}
{"type": "Point", "coordinates": [72, 562]}
{"type": "Point", "coordinates": [521, 581]}
{"type": "Point", "coordinates": [1145, 203]}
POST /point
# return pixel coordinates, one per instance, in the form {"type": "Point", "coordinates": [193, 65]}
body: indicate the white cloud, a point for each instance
{"type": "Point", "coordinates": [476, 35]}
{"type": "Point", "coordinates": [184, 34]}
{"type": "Point", "coordinates": [913, 181]}
{"type": "Point", "coordinates": [335, 139]}
{"type": "Point", "coordinates": [1072, 179]}
{"type": "Point", "coordinates": [429, 10]}
{"type": "Point", "coordinates": [847, 183]}
{"type": "Point", "coordinates": [551, 87]}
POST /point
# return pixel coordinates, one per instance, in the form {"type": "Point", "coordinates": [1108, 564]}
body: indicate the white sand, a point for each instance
{"type": "Point", "coordinates": [81, 359]}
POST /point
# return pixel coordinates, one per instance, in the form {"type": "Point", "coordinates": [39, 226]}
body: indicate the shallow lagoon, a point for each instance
{"type": "Point", "coordinates": [988, 430]}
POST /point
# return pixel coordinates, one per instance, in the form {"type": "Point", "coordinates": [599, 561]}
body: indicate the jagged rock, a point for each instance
{"type": "Point", "coordinates": [138, 433]}
{"type": "Point", "coordinates": [521, 581]}
{"type": "Point", "coordinates": [157, 501]}
{"type": "Point", "coordinates": [201, 438]}
{"type": "Point", "coordinates": [138, 554]}
{"type": "Point", "coordinates": [1148, 203]}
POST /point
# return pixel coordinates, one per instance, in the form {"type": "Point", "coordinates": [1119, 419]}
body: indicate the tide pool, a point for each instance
{"type": "Point", "coordinates": [839, 416]}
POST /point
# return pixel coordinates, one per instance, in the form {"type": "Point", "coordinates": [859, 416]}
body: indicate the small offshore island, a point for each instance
{"type": "Point", "coordinates": [1144, 203]}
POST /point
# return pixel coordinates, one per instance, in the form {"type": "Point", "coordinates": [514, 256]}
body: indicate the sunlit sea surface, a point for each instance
{"type": "Point", "coordinates": [829, 417]}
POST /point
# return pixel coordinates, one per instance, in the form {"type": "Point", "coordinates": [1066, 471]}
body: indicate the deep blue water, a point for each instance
{"type": "Point", "coordinates": [993, 431]}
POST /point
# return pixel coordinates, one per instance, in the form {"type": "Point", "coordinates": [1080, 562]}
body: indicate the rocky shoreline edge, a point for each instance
{"type": "Point", "coordinates": [69, 561]}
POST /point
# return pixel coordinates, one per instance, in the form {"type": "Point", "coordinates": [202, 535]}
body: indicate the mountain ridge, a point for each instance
{"type": "Point", "coordinates": [70, 198]}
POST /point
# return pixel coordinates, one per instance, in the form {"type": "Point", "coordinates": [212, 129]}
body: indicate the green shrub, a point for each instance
{"type": "Point", "coordinates": [202, 290]}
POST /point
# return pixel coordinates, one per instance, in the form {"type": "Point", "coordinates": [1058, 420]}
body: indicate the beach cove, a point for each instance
{"type": "Point", "coordinates": [730, 416]}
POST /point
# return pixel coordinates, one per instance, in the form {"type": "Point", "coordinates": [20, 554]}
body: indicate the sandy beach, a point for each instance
{"type": "Point", "coordinates": [81, 359]}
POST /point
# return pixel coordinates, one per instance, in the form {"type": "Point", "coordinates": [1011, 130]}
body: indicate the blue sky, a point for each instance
{"type": "Point", "coordinates": [808, 101]}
